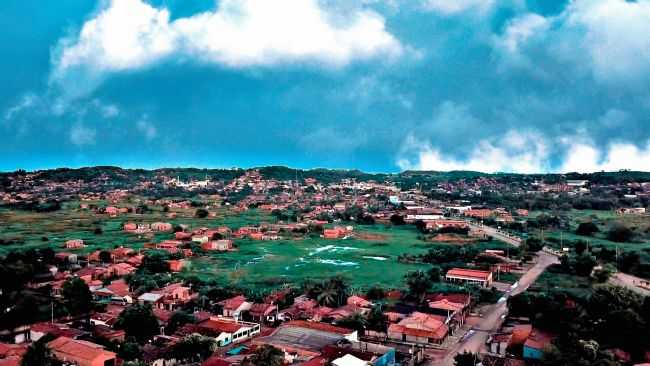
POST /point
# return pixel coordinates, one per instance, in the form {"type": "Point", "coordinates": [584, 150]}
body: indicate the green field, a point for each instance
{"type": "Point", "coordinates": [364, 262]}
{"type": "Point", "coordinates": [603, 219]}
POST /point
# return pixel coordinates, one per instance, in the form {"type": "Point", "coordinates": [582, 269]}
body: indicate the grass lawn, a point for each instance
{"type": "Point", "coordinates": [369, 259]}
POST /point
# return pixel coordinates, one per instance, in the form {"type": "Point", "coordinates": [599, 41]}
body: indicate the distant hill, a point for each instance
{"type": "Point", "coordinates": [406, 179]}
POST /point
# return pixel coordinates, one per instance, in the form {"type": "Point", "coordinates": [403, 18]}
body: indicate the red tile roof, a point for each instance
{"type": "Point", "coordinates": [71, 349]}
{"type": "Point", "coordinates": [469, 273]}
{"type": "Point", "coordinates": [318, 326]}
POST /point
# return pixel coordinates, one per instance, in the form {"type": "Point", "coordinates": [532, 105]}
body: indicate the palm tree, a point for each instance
{"type": "Point", "coordinates": [265, 355]}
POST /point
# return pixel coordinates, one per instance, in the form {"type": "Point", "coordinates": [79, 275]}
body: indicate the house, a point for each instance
{"type": "Point", "coordinates": [331, 234]}
{"type": "Point", "coordinates": [200, 239]}
{"type": "Point", "coordinates": [536, 344]}
{"type": "Point", "coordinates": [420, 328]}
{"type": "Point", "coordinates": [74, 244]}
{"type": "Point", "coordinates": [219, 245]}
{"type": "Point", "coordinates": [454, 306]}
{"type": "Point", "coordinates": [359, 301]}
{"type": "Point", "coordinates": [155, 300]}
{"type": "Point", "coordinates": [478, 213]}
{"type": "Point", "coordinates": [446, 225]}
{"type": "Point", "coordinates": [263, 312]}
{"type": "Point", "coordinates": [631, 211]}
{"type": "Point", "coordinates": [122, 253]}
{"type": "Point", "coordinates": [469, 276]}
{"type": "Point", "coordinates": [224, 330]}
{"type": "Point", "coordinates": [119, 270]}
{"type": "Point", "coordinates": [162, 226]}
{"type": "Point", "coordinates": [12, 354]}
{"type": "Point", "coordinates": [112, 211]}
{"type": "Point", "coordinates": [39, 330]}
{"type": "Point", "coordinates": [66, 258]}
{"type": "Point", "coordinates": [176, 265]}
{"type": "Point", "coordinates": [82, 353]}
{"type": "Point", "coordinates": [233, 307]}
{"type": "Point", "coordinates": [174, 295]}
{"type": "Point", "coordinates": [117, 291]}
{"type": "Point", "coordinates": [498, 343]}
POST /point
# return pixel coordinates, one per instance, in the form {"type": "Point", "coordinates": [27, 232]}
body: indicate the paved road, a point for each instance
{"type": "Point", "coordinates": [490, 231]}
{"type": "Point", "coordinates": [630, 282]}
{"type": "Point", "coordinates": [494, 314]}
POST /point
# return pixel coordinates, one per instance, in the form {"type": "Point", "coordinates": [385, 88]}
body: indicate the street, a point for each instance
{"type": "Point", "coordinates": [496, 234]}
{"type": "Point", "coordinates": [630, 282]}
{"type": "Point", "coordinates": [492, 319]}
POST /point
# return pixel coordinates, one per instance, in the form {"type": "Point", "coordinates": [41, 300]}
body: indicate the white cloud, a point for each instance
{"type": "Point", "coordinates": [81, 135]}
{"type": "Point", "coordinates": [605, 38]}
{"type": "Point", "coordinates": [131, 34]}
{"type": "Point", "coordinates": [452, 7]}
{"type": "Point", "coordinates": [27, 101]}
{"type": "Point", "coordinates": [147, 129]}
{"type": "Point", "coordinates": [585, 157]}
{"type": "Point", "coordinates": [520, 29]}
{"type": "Point", "coordinates": [528, 153]}
{"type": "Point", "coordinates": [372, 89]}
{"type": "Point", "coordinates": [616, 36]}
{"type": "Point", "coordinates": [513, 152]}
{"type": "Point", "coordinates": [106, 110]}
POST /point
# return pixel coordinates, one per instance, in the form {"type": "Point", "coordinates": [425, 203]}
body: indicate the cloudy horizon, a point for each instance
{"type": "Point", "coordinates": [524, 86]}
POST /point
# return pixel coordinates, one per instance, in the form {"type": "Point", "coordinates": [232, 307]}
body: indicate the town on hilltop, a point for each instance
{"type": "Point", "coordinates": [271, 266]}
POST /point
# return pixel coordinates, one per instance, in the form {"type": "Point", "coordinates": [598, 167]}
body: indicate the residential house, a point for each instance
{"type": "Point", "coordinates": [74, 244]}
{"type": "Point", "coordinates": [224, 330]}
{"type": "Point", "coordinates": [81, 353]}
{"type": "Point", "coordinates": [420, 328]}
{"type": "Point", "coordinates": [234, 307]}
{"type": "Point", "coordinates": [218, 245]}
{"type": "Point", "coordinates": [263, 313]}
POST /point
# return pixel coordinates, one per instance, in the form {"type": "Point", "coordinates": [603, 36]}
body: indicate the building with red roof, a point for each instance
{"type": "Point", "coordinates": [82, 353]}
{"type": "Point", "coordinates": [469, 276]}
{"type": "Point", "coordinates": [420, 328]}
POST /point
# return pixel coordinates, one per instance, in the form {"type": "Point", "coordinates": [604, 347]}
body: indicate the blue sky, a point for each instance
{"type": "Point", "coordinates": [378, 85]}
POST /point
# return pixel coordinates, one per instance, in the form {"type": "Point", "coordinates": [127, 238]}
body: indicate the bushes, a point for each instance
{"type": "Point", "coordinates": [587, 229]}
{"type": "Point", "coordinates": [620, 233]}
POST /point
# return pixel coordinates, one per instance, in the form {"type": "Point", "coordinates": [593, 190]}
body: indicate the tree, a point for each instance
{"type": "Point", "coordinates": [396, 219]}
{"type": "Point", "coordinates": [201, 213]}
{"type": "Point", "coordinates": [39, 354]}
{"type": "Point", "coordinates": [355, 321]}
{"type": "Point", "coordinates": [331, 293]}
{"type": "Point", "coordinates": [139, 322]}
{"type": "Point", "coordinates": [177, 320]}
{"type": "Point", "coordinates": [435, 274]}
{"type": "Point", "coordinates": [584, 264]}
{"type": "Point", "coordinates": [466, 359]}
{"type": "Point", "coordinates": [375, 293]}
{"type": "Point", "coordinates": [77, 296]}
{"type": "Point", "coordinates": [587, 229]}
{"type": "Point", "coordinates": [377, 320]}
{"type": "Point", "coordinates": [129, 351]}
{"type": "Point", "coordinates": [105, 256]}
{"type": "Point", "coordinates": [155, 262]}
{"type": "Point", "coordinates": [418, 285]}
{"type": "Point", "coordinates": [194, 347]}
{"type": "Point", "coordinates": [603, 273]}
{"type": "Point", "coordinates": [620, 233]}
{"type": "Point", "coordinates": [265, 355]}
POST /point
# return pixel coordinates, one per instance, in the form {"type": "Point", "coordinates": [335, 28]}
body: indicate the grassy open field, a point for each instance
{"type": "Point", "coordinates": [603, 219]}
{"type": "Point", "coordinates": [368, 259]}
